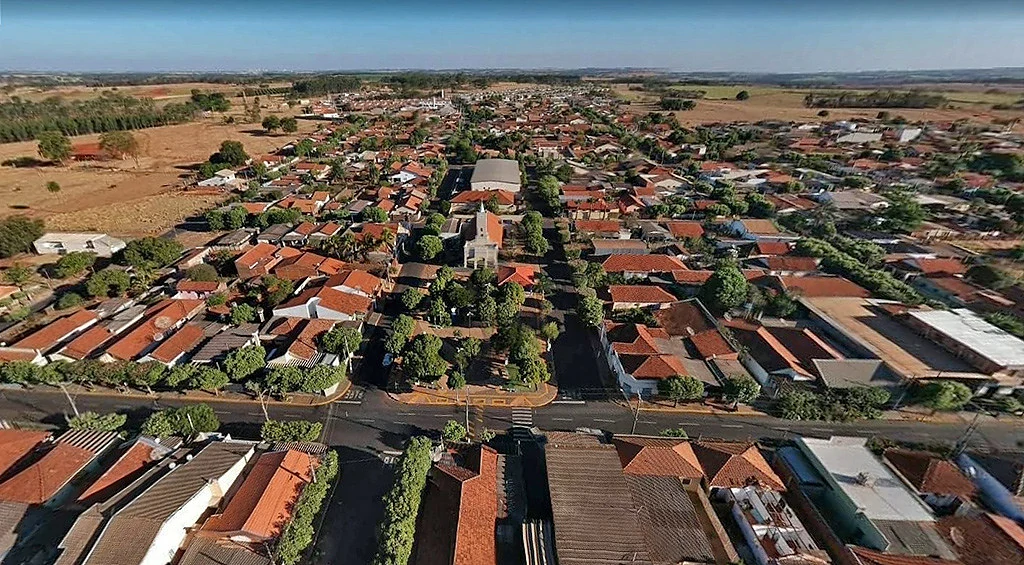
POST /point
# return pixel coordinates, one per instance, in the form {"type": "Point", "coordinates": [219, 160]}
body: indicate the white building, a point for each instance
{"type": "Point", "coordinates": [60, 243]}
{"type": "Point", "coordinates": [771, 529]}
{"type": "Point", "coordinates": [496, 174]}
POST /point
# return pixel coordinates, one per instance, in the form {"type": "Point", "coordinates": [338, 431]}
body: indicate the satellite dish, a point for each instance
{"type": "Point", "coordinates": [162, 322]}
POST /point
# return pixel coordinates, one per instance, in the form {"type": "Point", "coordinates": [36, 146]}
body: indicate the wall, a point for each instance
{"type": "Point", "coordinates": [809, 516]}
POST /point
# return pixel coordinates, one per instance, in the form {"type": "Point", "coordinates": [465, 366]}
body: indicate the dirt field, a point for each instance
{"type": "Point", "coordinates": [115, 196]}
{"type": "Point", "coordinates": [720, 105]}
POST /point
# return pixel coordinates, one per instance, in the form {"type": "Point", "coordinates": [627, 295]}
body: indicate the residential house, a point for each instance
{"type": "Point", "coordinates": [524, 275]}
{"type": "Point", "coordinates": [640, 357]}
{"type": "Point", "coordinates": [58, 332]}
{"type": "Point", "coordinates": [780, 351]}
{"type": "Point", "coordinates": [759, 230]}
{"type": "Point", "coordinates": [643, 266]}
{"type": "Point", "coordinates": [327, 303]}
{"type": "Point", "coordinates": [60, 243]}
{"type": "Point", "coordinates": [626, 297]}
{"type": "Point", "coordinates": [297, 342]}
{"type": "Point", "coordinates": [938, 481]}
{"type": "Point", "coordinates": [260, 259]}
{"type": "Point", "coordinates": [173, 350]}
{"type": "Point", "coordinates": [159, 322]}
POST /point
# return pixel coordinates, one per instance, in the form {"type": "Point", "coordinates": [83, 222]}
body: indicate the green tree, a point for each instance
{"type": "Point", "coordinates": [203, 272]}
{"type": "Point", "coordinates": [279, 431]}
{"type": "Point", "coordinates": [17, 234]}
{"type": "Point", "coordinates": [98, 422]}
{"type": "Point", "coordinates": [54, 145]}
{"type": "Point", "coordinates": [550, 331]}
{"type": "Point", "coordinates": [151, 252]}
{"type": "Point", "coordinates": [120, 144]}
{"type": "Point", "coordinates": [53, 187]}
{"type": "Point", "coordinates": [591, 311]}
{"type": "Point", "coordinates": [271, 123]}
{"type": "Point", "coordinates": [453, 432]}
{"type": "Point", "coordinates": [74, 264]}
{"type": "Point", "coordinates": [240, 364]}
{"type": "Point", "coordinates": [725, 289]}
{"type": "Point", "coordinates": [411, 298]}
{"type": "Point", "coordinates": [742, 95]}
{"type": "Point", "coordinates": [945, 395]}
{"type": "Point", "coordinates": [69, 300]}
{"type": "Point", "coordinates": [904, 213]}
{"type": "Point", "coordinates": [108, 282]}
{"type": "Point", "coordinates": [289, 125]}
{"type": "Point", "coordinates": [209, 379]}
{"type": "Point", "coordinates": [242, 313]}
{"type": "Point", "coordinates": [422, 361]}
{"type": "Point", "coordinates": [342, 341]}
{"type": "Point", "coordinates": [19, 275]}
{"type": "Point", "coordinates": [428, 247]}
{"type": "Point", "coordinates": [439, 313]}
{"type": "Point", "coordinates": [681, 388]}
{"type": "Point", "coordinates": [741, 390]}
{"type": "Point", "coordinates": [186, 421]}
{"type": "Point", "coordinates": [231, 152]}
{"type": "Point", "coordinates": [456, 381]}
{"type": "Point", "coordinates": [374, 214]}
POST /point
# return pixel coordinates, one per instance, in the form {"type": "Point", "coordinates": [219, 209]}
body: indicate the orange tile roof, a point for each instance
{"type": "Point", "coordinates": [598, 226]}
{"type": "Point", "coordinates": [357, 279]}
{"type": "Point", "coordinates": [929, 473]}
{"type": "Point", "coordinates": [759, 226]}
{"type": "Point", "coordinates": [642, 294]}
{"type": "Point", "coordinates": [872, 557]}
{"type": "Point", "coordinates": [50, 336]}
{"type": "Point", "coordinates": [9, 354]}
{"type": "Point", "coordinates": [735, 464]}
{"type": "Point", "coordinates": [792, 263]}
{"type": "Point", "coordinates": [711, 344]}
{"type": "Point", "coordinates": [984, 540]}
{"type": "Point", "coordinates": [685, 229]}
{"type": "Point", "coordinates": [938, 265]}
{"type": "Point", "coordinates": [90, 340]}
{"type": "Point", "coordinates": [659, 457]}
{"type": "Point", "coordinates": [159, 320]}
{"type": "Point", "coordinates": [197, 286]}
{"type": "Point", "coordinates": [263, 503]}
{"type": "Point", "coordinates": [660, 366]}
{"type": "Point", "coordinates": [503, 197]}
{"type": "Point", "coordinates": [643, 263]}
{"type": "Point", "coordinates": [815, 286]}
{"type": "Point", "coordinates": [44, 478]}
{"type": "Point", "coordinates": [123, 471]}
{"type": "Point", "coordinates": [306, 342]}
{"type": "Point", "coordinates": [525, 275]}
{"type": "Point", "coordinates": [15, 445]}
{"type": "Point", "coordinates": [336, 300]}
{"type": "Point", "coordinates": [183, 340]}
{"type": "Point", "coordinates": [772, 247]}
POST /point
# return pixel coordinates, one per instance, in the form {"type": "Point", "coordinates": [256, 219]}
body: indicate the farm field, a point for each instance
{"type": "Point", "coordinates": [779, 103]}
{"type": "Point", "coordinates": [116, 196]}
{"type": "Point", "coordinates": [159, 92]}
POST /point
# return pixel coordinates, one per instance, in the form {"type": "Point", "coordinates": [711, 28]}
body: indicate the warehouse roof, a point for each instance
{"type": "Point", "coordinates": [973, 332]}
{"type": "Point", "coordinates": [496, 170]}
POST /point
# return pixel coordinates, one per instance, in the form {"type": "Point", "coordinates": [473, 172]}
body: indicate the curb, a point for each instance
{"type": "Point", "coordinates": [164, 396]}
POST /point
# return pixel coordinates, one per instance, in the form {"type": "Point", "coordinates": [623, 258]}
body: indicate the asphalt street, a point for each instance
{"type": "Point", "coordinates": [376, 423]}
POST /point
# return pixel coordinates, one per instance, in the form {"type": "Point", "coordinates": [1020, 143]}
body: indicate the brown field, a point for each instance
{"type": "Point", "coordinates": [115, 196]}
{"type": "Point", "coordinates": [769, 103]}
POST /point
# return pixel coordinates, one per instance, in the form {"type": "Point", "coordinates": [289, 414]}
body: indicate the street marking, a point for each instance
{"type": "Point", "coordinates": [401, 423]}
{"type": "Point", "coordinates": [562, 419]}
{"type": "Point", "coordinates": [254, 413]}
{"type": "Point", "coordinates": [732, 426]}
{"type": "Point", "coordinates": [406, 414]}
{"type": "Point", "coordinates": [605, 421]}
{"type": "Point", "coordinates": [357, 402]}
{"type": "Point", "coordinates": [366, 420]}
{"type": "Point", "coordinates": [647, 422]}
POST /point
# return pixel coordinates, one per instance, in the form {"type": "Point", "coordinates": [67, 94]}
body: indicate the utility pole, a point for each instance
{"type": "Point", "coordinates": [71, 401]}
{"type": "Point", "coordinates": [636, 415]}
{"type": "Point", "coordinates": [467, 408]}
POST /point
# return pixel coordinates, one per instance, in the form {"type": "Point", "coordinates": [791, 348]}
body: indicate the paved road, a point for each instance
{"type": "Point", "coordinates": [376, 423]}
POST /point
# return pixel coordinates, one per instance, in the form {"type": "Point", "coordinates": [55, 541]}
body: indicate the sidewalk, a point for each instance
{"type": "Point", "coordinates": [296, 399]}
{"type": "Point", "coordinates": [478, 396]}
{"type": "Point", "coordinates": [691, 408]}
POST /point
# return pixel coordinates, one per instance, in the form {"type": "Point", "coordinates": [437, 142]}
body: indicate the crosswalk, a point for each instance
{"type": "Point", "coordinates": [522, 421]}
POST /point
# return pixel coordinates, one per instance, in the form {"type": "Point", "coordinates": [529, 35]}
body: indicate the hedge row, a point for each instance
{"type": "Point", "coordinates": [298, 534]}
{"type": "Point", "coordinates": [402, 504]}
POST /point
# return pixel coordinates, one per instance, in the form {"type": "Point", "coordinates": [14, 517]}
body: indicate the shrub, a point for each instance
{"type": "Point", "coordinates": [298, 534]}
{"type": "Point", "coordinates": [97, 422]}
{"type": "Point", "coordinates": [401, 505]}
{"type": "Point", "coordinates": [275, 431]}
{"type": "Point", "coordinates": [69, 300]}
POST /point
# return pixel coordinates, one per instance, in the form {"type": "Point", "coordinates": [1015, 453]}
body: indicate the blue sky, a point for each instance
{"type": "Point", "coordinates": [725, 35]}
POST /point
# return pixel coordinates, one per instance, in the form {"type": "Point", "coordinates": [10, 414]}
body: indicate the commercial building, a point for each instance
{"type": "Point", "coordinates": [496, 174]}
{"type": "Point", "coordinates": [60, 243]}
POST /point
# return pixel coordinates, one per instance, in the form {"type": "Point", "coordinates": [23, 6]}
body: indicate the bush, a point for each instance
{"type": "Point", "coordinates": [17, 234]}
{"type": "Point", "coordinates": [204, 273]}
{"type": "Point", "coordinates": [185, 421]}
{"type": "Point", "coordinates": [97, 422]}
{"type": "Point", "coordinates": [453, 432]}
{"type": "Point", "coordinates": [69, 300]}
{"type": "Point", "coordinates": [401, 505]}
{"type": "Point", "coordinates": [277, 431]}
{"type": "Point", "coordinates": [944, 395]}
{"type": "Point", "coordinates": [74, 264]}
{"type": "Point", "coordinates": [151, 252]}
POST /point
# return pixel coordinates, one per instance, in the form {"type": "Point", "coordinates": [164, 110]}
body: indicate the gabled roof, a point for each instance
{"type": "Point", "coordinates": [818, 286]}
{"type": "Point", "coordinates": [44, 478]}
{"type": "Point", "coordinates": [684, 229]}
{"type": "Point", "coordinates": [872, 557]}
{"type": "Point", "coordinates": [264, 502]}
{"type": "Point", "coordinates": [984, 540]}
{"type": "Point", "coordinates": [643, 294]}
{"type": "Point", "coordinates": [355, 278]}
{"type": "Point", "coordinates": [160, 318]}
{"type": "Point", "coordinates": [503, 197]}
{"type": "Point", "coordinates": [684, 318]}
{"type": "Point", "coordinates": [937, 265]}
{"type": "Point", "coordinates": [598, 226]}
{"type": "Point", "coordinates": [522, 274]}
{"type": "Point", "coordinates": [327, 297]}
{"type": "Point", "coordinates": [643, 263]}
{"type": "Point", "coordinates": [306, 342]}
{"type": "Point", "coordinates": [735, 464]}
{"type": "Point", "coordinates": [930, 474]}
{"type": "Point", "coordinates": [15, 445]}
{"type": "Point", "coordinates": [711, 344]}
{"type": "Point", "coordinates": [128, 467]}
{"type": "Point", "coordinates": [89, 341]}
{"type": "Point", "coordinates": [49, 336]}
{"type": "Point", "coordinates": [663, 457]}
{"type": "Point", "coordinates": [182, 341]}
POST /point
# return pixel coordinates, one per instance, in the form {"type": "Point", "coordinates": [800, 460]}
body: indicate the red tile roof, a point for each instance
{"type": "Point", "coordinates": [15, 445]}
{"type": "Point", "coordinates": [306, 342]}
{"type": "Point", "coordinates": [872, 557]}
{"type": "Point", "coordinates": [792, 263]}
{"type": "Point", "coordinates": [160, 319]}
{"type": "Point", "coordinates": [126, 469]}
{"type": "Point", "coordinates": [503, 197]}
{"type": "Point", "coordinates": [735, 464]}
{"type": "Point", "coordinates": [522, 274]}
{"type": "Point", "coordinates": [937, 265]}
{"type": "Point", "coordinates": [772, 247]}
{"type": "Point", "coordinates": [598, 226]}
{"type": "Point", "coordinates": [264, 502]}
{"type": "Point", "coordinates": [710, 344]}
{"type": "Point", "coordinates": [815, 286]}
{"type": "Point", "coordinates": [929, 473]}
{"type": "Point", "coordinates": [331, 299]}
{"type": "Point", "coordinates": [49, 336]}
{"type": "Point", "coordinates": [642, 294]}
{"type": "Point", "coordinates": [183, 340]}
{"type": "Point", "coordinates": [44, 478]}
{"type": "Point", "coordinates": [682, 229]}
{"type": "Point", "coordinates": [356, 279]}
{"type": "Point", "coordinates": [984, 540]}
{"type": "Point", "coordinates": [89, 341]}
{"type": "Point", "coordinates": [643, 263]}
{"type": "Point", "coordinates": [659, 457]}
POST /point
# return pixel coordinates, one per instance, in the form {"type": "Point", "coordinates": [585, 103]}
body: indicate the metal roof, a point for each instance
{"type": "Point", "coordinates": [974, 333]}
{"type": "Point", "coordinates": [496, 170]}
